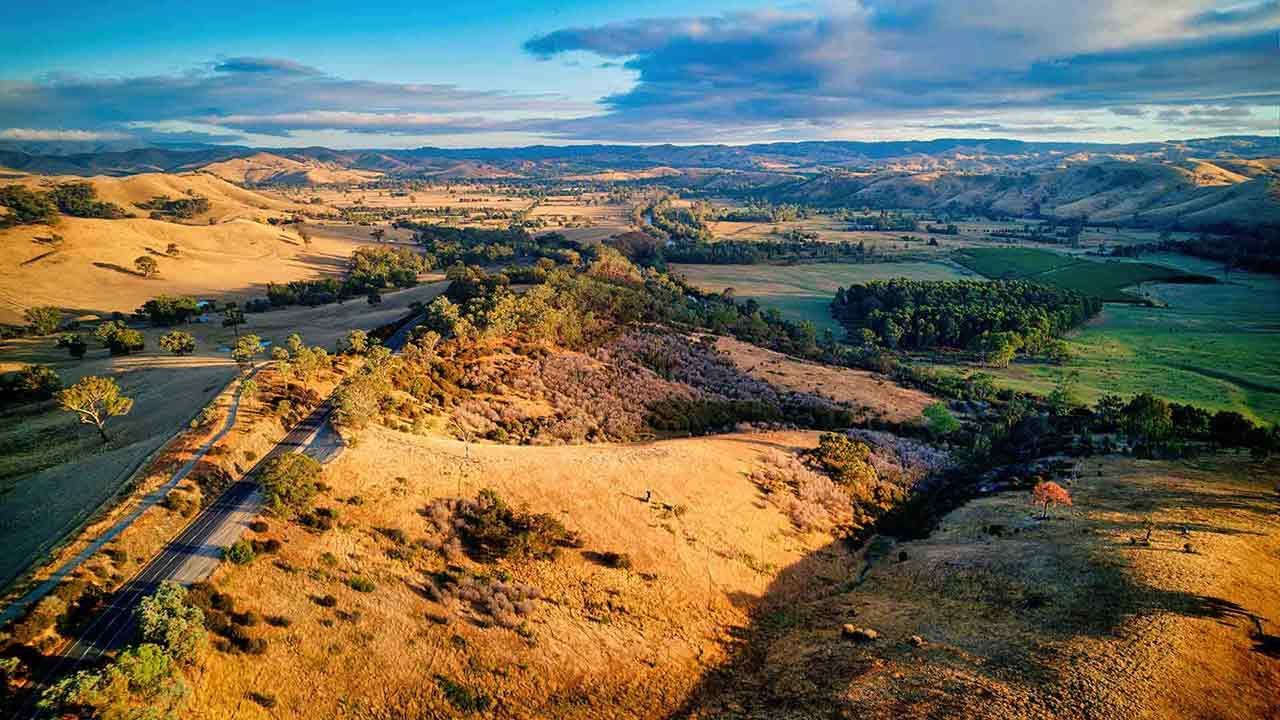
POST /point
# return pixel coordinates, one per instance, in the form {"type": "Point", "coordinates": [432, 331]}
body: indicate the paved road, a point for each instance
{"type": "Point", "coordinates": [17, 607]}
{"type": "Point", "coordinates": [194, 554]}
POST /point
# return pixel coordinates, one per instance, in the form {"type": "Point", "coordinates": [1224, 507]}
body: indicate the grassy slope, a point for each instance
{"type": "Point", "coordinates": [607, 643]}
{"type": "Point", "coordinates": [1212, 345]}
{"type": "Point", "coordinates": [1061, 619]}
{"type": "Point", "coordinates": [804, 292]}
{"type": "Point", "coordinates": [1055, 619]}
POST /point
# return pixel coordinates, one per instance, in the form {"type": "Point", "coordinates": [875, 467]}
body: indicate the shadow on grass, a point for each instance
{"type": "Point", "coordinates": [792, 660]}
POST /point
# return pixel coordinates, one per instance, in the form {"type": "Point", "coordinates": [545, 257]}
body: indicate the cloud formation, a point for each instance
{"type": "Point", "coordinates": [898, 59]}
{"type": "Point", "coordinates": [866, 68]}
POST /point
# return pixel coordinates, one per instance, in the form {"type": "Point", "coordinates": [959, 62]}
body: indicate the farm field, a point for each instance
{"type": "Point", "coordinates": [804, 292]}
{"type": "Point", "coordinates": [1213, 346]}
{"type": "Point", "coordinates": [1107, 280]}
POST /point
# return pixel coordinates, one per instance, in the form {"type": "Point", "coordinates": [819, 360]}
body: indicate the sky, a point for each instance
{"type": "Point", "coordinates": [505, 73]}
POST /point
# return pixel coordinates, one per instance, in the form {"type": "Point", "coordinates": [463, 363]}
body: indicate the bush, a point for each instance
{"type": "Point", "coordinates": [289, 484]}
{"type": "Point", "coordinates": [178, 342]}
{"type": "Point", "coordinates": [43, 320]}
{"type": "Point", "coordinates": [240, 552]}
{"type": "Point", "coordinates": [490, 529]}
{"type": "Point", "coordinates": [360, 584]}
{"type": "Point", "coordinates": [37, 382]}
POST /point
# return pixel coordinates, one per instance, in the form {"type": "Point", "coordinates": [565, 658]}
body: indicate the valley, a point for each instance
{"type": "Point", "coordinates": [654, 447]}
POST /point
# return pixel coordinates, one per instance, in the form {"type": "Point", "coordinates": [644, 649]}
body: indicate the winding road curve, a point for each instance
{"type": "Point", "coordinates": [196, 552]}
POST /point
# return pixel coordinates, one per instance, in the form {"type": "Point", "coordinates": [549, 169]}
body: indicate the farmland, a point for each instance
{"type": "Point", "coordinates": [804, 292]}
{"type": "Point", "coordinates": [1105, 280]}
{"type": "Point", "coordinates": [1210, 345]}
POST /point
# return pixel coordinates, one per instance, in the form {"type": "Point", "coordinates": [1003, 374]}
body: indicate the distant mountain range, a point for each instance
{"type": "Point", "coordinates": [953, 154]}
{"type": "Point", "coordinates": [1230, 182]}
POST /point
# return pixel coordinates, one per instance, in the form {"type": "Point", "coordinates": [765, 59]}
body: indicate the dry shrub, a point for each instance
{"type": "Point", "coordinates": [487, 600]}
{"type": "Point", "coordinates": [810, 499]}
{"type": "Point", "coordinates": [489, 529]}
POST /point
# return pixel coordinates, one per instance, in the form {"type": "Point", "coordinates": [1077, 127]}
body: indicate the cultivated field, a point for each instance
{"type": "Point", "coordinates": [1106, 280]}
{"type": "Point", "coordinates": [804, 292]}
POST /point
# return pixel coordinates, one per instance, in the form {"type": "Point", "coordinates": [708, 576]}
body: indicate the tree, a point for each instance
{"type": "Point", "coordinates": [1048, 493]}
{"type": "Point", "coordinates": [172, 250]}
{"type": "Point", "coordinates": [167, 619]}
{"type": "Point", "coordinates": [940, 420]}
{"type": "Point", "coordinates": [95, 400]}
{"type": "Point", "coordinates": [249, 389]}
{"type": "Point", "coordinates": [289, 484]}
{"type": "Point", "coordinates": [38, 382]}
{"type": "Point", "coordinates": [356, 342]}
{"type": "Point", "coordinates": [146, 266]}
{"type": "Point", "coordinates": [43, 320]}
{"type": "Point", "coordinates": [245, 350]}
{"type": "Point", "coordinates": [178, 342]}
{"type": "Point", "coordinates": [233, 317]}
{"type": "Point", "coordinates": [1148, 418]}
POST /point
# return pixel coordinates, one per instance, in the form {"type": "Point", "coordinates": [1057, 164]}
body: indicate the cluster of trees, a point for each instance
{"type": "Point", "coordinates": [886, 220]}
{"type": "Point", "coordinates": [763, 211]}
{"type": "Point", "coordinates": [163, 207]}
{"type": "Point", "coordinates": [369, 271]}
{"type": "Point", "coordinates": [669, 221]}
{"type": "Point", "coordinates": [77, 199]}
{"type": "Point", "coordinates": [146, 677]}
{"type": "Point", "coordinates": [169, 309]}
{"type": "Point", "coordinates": [751, 252]}
{"type": "Point", "coordinates": [1260, 253]}
{"type": "Point", "coordinates": [997, 319]}
{"type": "Point", "coordinates": [446, 245]}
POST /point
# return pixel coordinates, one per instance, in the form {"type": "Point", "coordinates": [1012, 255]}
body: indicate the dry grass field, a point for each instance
{"type": "Point", "coordinates": [723, 610]}
{"type": "Point", "coordinates": [227, 252]}
{"type": "Point", "coordinates": [1002, 615]}
{"type": "Point", "coordinates": [882, 398]}
{"type": "Point", "coordinates": [602, 641]}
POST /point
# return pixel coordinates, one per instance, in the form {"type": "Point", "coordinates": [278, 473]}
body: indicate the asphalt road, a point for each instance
{"type": "Point", "coordinates": [193, 555]}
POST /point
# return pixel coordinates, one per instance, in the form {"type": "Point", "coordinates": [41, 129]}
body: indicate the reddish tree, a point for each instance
{"type": "Point", "coordinates": [1050, 493]}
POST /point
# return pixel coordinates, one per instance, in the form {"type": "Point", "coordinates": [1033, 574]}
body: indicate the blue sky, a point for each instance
{"type": "Point", "coordinates": [507, 73]}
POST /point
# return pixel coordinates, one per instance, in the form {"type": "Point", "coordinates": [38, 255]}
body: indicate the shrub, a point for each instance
{"type": "Point", "coordinates": [289, 484]}
{"type": "Point", "coordinates": [168, 619]}
{"type": "Point", "coordinates": [1050, 493]}
{"type": "Point", "coordinates": [360, 584]}
{"type": "Point", "coordinates": [37, 382]}
{"type": "Point", "coordinates": [43, 320]}
{"type": "Point", "coordinates": [178, 342]}
{"type": "Point", "coordinates": [266, 700]}
{"type": "Point", "coordinates": [491, 529]}
{"type": "Point", "coordinates": [240, 552]}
